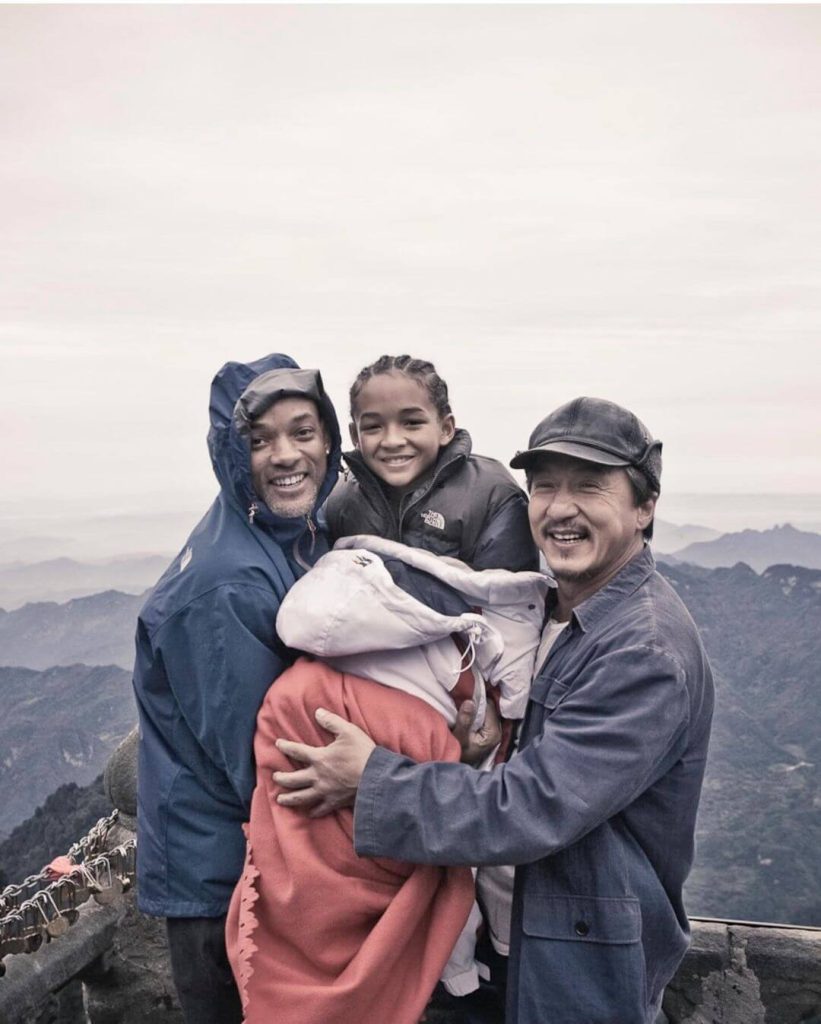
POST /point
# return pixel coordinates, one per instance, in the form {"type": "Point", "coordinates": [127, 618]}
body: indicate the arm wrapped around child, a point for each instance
{"type": "Point", "coordinates": [399, 640]}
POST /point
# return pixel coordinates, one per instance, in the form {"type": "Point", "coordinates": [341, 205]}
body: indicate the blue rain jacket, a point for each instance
{"type": "Point", "coordinates": [597, 808]}
{"type": "Point", "coordinates": [206, 654]}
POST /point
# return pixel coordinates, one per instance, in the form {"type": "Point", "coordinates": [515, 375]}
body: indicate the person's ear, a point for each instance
{"type": "Point", "coordinates": [646, 511]}
{"type": "Point", "coordinates": [354, 434]}
{"type": "Point", "coordinates": [447, 428]}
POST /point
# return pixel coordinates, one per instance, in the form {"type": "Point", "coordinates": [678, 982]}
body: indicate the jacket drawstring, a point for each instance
{"type": "Point", "coordinates": [469, 651]}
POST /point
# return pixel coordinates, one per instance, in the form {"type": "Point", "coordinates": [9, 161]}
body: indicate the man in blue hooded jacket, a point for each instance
{"type": "Point", "coordinates": [207, 653]}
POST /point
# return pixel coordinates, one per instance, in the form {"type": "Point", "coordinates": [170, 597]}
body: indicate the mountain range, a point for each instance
{"type": "Point", "coordinates": [757, 548]}
{"type": "Point", "coordinates": [63, 579]}
{"type": "Point", "coordinates": [669, 537]}
{"type": "Point", "coordinates": [760, 820]}
{"type": "Point", "coordinates": [59, 579]}
{"type": "Point", "coordinates": [57, 726]}
{"type": "Point", "coordinates": [96, 630]}
{"type": "Point", "coordinates": [99, 629]}
{"type": "Point", "coordinates": [28, 537]}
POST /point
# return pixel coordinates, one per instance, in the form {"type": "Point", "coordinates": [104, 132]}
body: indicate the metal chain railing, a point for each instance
{"type": "Point", "coordinates": [44, 906]}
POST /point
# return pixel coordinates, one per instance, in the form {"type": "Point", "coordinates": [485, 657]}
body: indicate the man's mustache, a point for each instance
{"type": "Point", "coordinates": [564, 525]}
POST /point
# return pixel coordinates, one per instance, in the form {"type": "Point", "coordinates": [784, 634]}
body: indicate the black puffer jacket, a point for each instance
{"type": "Point", "coordinates": [470, 508]}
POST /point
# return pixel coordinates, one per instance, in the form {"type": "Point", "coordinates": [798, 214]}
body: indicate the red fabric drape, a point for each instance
{"type": "Point", "coordinates": [315, 934]}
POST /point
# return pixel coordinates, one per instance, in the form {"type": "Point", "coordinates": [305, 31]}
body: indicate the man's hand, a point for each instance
{"type": "Point", "coordinates": [331, 779]}
{"type": "Point", "coordinates": [477, 745]}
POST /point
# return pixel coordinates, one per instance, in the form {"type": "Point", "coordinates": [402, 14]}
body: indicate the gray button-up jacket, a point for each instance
{"type": "Point", "coordinates": [598, 808]}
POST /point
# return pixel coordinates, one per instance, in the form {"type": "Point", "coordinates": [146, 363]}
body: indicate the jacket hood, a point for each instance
{"type": "Point", "coordinates": [230, 454]}
{"type": "Point", "coordinates": [354, 602]}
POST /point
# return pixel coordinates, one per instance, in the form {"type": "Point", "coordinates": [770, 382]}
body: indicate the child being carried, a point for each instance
{"type": "Point", "coordinates": [404, 636]}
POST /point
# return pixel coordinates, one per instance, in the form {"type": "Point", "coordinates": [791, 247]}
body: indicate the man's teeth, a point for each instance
{"type": "Point", "coordinates": [396, 460]}
{"type": "Point", "coordinates": [566, 535]}
{"type": "Point", "coordinates": [289, 481]}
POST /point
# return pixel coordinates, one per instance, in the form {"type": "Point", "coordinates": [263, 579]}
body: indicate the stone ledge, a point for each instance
{"type": "Point", "coordinates": [734, 973]}
{"type": "Point", "coordinates": [746, 973]}
{"type": "Point", "coordinates": [31, 977]}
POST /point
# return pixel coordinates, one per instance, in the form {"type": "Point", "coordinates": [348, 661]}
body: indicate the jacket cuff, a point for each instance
{"type": "Point", "coordinates": [462, 984]}
{"type": "Point", "coordinates": [366, 831]}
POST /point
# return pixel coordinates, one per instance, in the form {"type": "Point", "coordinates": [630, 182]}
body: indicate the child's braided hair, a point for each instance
{"type": "Point", "coordinates": [420, 370]}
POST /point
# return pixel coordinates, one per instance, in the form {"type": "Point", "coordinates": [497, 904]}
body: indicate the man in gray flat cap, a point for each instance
{"type": "Point", "coordinates": [598, 806]}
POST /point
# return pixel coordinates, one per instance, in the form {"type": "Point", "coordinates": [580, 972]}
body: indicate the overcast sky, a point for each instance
{"type": "Point", "coordinates": [547, 201]}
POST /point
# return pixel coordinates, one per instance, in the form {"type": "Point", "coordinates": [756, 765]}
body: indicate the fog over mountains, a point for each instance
{"type": "Point", "coordinates": [60, 579]}
{"type": "Point", "coordinates": [63, 579]}
{"type": "Point", "coordinates": [669, 537]}
{"type": "Point", "coordinates": [84, 538]}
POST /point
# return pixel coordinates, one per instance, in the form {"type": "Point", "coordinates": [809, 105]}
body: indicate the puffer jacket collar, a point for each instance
{"type": "Point", "coordinates": [452, 456]}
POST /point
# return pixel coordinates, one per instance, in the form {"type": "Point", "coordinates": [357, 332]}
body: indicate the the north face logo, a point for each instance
{"type": "Point", "coordinates": [434, 519]}
{"type": "Point", "coordinates": [362, 560]}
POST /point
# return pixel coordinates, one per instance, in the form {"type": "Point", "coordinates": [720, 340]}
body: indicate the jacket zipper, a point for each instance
{"type": "Point", "coordinates": [253, 508]}
{"type": "Point", "coordinates": [374, 488]}
{"type": "Point", "coordinates": [297, 556]}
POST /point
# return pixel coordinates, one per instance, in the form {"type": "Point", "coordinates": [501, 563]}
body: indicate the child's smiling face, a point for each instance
{"type": "Point", "coordinates": [397, 428]}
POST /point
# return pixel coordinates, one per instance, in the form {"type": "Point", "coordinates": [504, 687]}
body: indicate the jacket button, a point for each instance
{"type": "Point", "coordinates": [581, 928]}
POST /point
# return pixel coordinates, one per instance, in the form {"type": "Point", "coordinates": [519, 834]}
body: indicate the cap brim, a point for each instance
{"type": "Point", "coordinates": [272, 386]}
{"type": "Point", "coordinates": [577, 451]}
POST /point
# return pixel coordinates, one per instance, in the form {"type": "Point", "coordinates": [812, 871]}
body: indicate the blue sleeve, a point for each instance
{"type": "Point", "coordinates": [506, 541]}
{"type": "Point", "coordinates": [220, 657]}
{"type": "Point", "coordinates": [615, 734]}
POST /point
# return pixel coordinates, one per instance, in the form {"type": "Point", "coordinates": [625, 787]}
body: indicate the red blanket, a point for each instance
{"type": "Point", "coordinates": [315, 934]}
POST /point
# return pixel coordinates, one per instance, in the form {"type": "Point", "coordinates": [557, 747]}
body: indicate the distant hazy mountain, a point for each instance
{"type": "Point", "coordinates": [757, 548]}
{"type": "Point", "coordinates": [760, 819]}
{"type": "Point", "coordinates": [97, 630]}
{"type": "Point", "coordinates": [60, 579]}
{"type": "Point", "coordinates": [35, 548]}
{"type": "Point", "coordinates": [57, 726]}
{"type": "Point", "coordinates": [29, 538]}
{"type": "Point", "coordinates": [669, 537]}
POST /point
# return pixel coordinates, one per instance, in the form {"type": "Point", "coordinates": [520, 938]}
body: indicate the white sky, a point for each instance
{"type": "Point", "coordinates": [547, 201]}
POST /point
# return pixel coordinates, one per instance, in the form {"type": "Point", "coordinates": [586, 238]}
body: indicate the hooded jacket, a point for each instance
{"type": "Point", "coordinates": [379, 610]}
{"type": "Point", "coordinates": [384, 611]}
{"type": "Point", "coordinates": [206, 654]}
{"type": "Point", "coordinates": [470, 508]}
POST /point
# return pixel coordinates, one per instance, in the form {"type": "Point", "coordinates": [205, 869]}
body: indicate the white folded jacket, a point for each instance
{"type": "Point", "coordinates": [349, 611]}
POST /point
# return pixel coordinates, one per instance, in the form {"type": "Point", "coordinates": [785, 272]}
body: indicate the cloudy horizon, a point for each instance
{"type": "Point", "coordinates": [547, 200]}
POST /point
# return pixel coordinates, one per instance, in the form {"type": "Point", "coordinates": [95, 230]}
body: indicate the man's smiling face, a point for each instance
{"type": "Point", "coordinates": [289, 456]}
{"type": "Point", "coordinates": [585, 520]}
